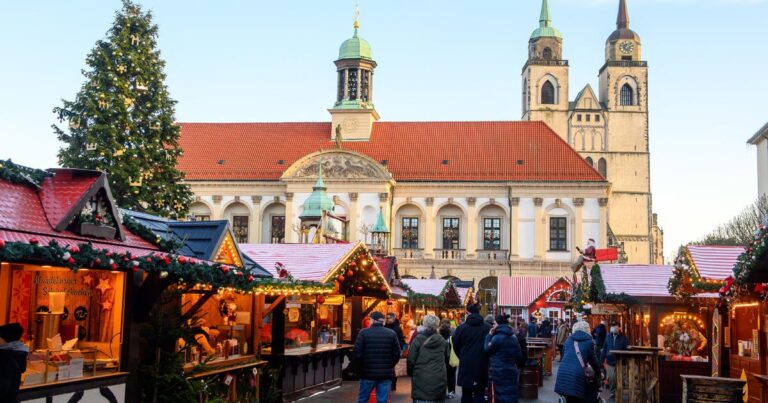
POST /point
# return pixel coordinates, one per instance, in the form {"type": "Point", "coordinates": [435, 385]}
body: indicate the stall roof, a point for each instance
{"type": "Point", "coordinates": [307, 262]}
{"type": "Point", "coordinates": [45, 211]}
{"type": "Point", "coordinates": [639, 280]}
{"type": "Point", "coordinates": [463, 293]}
{"type": "Point", "coordinates": [426, 286]}
{"type": "Point", "coordinates": [714, 262]}
{"type": "Point", "coordinates": [200, 239]}
{"type": "Point", "coordinates": [522, 291]}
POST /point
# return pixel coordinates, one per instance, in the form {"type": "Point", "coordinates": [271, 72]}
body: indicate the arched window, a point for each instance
{"type": "Point", "coordinates": [589, 161]}
{"type": "Point", "coordinates": [627, 95]}
{"type": "Point", "coordinates": [602, 167]}
{"type": "Point", "coordinates": [547, 54]}
{"type": "Point", "coordinates": [548, 93]}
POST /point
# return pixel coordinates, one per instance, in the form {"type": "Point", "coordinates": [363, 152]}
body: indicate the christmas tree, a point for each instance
{"type": "Point", "coordinates": [122, 119]}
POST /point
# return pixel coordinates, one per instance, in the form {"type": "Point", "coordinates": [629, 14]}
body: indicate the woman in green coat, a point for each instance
{"type": "Point", "coordinates": [426, 363]}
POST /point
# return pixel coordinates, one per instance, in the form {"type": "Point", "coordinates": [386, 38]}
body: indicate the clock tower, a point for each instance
{"type": "Point", "coordinates": [353, 113]}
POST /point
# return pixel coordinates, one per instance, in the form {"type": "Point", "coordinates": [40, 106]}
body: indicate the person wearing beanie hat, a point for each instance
{"type": "Point", "coordinates": [13, 361]}
{"type": "Point", "coordinates": [377, 351]}
{"type": "Point", "coordinates": [505, 355]}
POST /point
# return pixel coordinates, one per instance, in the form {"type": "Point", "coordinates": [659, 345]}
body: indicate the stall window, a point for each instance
{"type": "Point", "coordinates": [684, 337]}
{"type": "Point", "coordinates": [516, 315]}
{"type": "Point", "coordinates": [304, 318]}
{"type": "Point", "coordinates": [72, 321]}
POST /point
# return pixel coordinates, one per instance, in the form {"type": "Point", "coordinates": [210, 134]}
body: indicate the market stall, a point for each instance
{"type": "Point", "coordinates": [637, 297]}
{"type": "Point", "coordinates": [541, 297]}
{"type": "Point", "coordinates": [434, 297]}
{"type": "Point", "coordinates": [306, 336]}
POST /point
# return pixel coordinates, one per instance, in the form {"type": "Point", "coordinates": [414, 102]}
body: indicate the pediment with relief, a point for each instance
{"type": "Point", "coordinates": [337, 164]}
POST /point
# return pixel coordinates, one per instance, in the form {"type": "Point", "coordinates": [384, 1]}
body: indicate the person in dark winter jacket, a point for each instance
{"type": "Point", "coordinates": [571, 382]}
{"type": "Point", "coordinates": [377, 351]}
{"type": "Point", "coordinates": [520, 333]}
{"type": "Point", "coordinates": [427, 363]}
{"type": "Point", "coordinates": [446, 331]}
{"type": "Point", "coordinates": [394, 325]}
{"type": "Point", "coordinates": [468, 344]}
{"type": "Point", "coordinates": [545, 330]}
{"type": "Point", "coordinates": [13, 361]}
{"type": "Point", "coordinates": [615, 341]}
{"type": "Point", "coordinates": [533, 330]}
{"type": "Point", "coordinates": [504, 353]}
{"type": "Point", "coordinates": [599, 333]}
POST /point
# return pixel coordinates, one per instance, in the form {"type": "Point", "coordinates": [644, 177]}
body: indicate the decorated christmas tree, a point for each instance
{"type": "Point", "coordinates": [122, 119]}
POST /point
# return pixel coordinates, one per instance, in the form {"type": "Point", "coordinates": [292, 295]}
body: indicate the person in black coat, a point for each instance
{"type": "Point", "coordinates": [545, 330]}
{"type": "Point", "coordinates": [504, 351]}
{"type": "Point", "coordinates": [468, 344]}
{"type": "Point", "coordinates": [377, 351]}
{"type": "Point", "coordinates": [520, 333]}
{"type": "Point", "coordinates": [13, 361]}
{"type": "Point", "coordinates": [599, 333]}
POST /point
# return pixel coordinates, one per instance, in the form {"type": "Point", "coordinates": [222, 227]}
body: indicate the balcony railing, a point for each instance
{"type": "Point", "coordinates": [450, 254]}
{"type": "Point", "coordinates": [409, 253]}
{"type": "Point", "coordinates": [545, 62]}
{"type": "Point", "coordinates": [624, 63]}
{"type": "Point", "coordinates": [493, 255]}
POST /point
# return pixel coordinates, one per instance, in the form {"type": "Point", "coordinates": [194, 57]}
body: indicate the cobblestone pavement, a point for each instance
{"type": "Point", "coordinates": [347, 393]}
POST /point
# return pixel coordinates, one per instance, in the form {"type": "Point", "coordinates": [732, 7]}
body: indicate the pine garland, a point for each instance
{"type": "Point", "coordinates": [416, 299]}
{"type": "Point", "coordinates": [182, 269]}
{"type": "Point", "coordinates": [596, 292]}
{"type": "Point", "coordinates": [20, 174]}
{"type": "Point", "coordinates": [755, 252]}
{"type": "Point", "coordinates": [168, 245]}
{"type": "Point", "coordinates": [686, 281]}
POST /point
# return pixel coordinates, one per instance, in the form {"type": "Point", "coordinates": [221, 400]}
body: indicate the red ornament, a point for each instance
{"type": "Point", "coordinates": [239, 273]}
{"type": "Point", "coordinates": [192, 261]}
{"type": "Point", "coordinates": [148, 259]}
{"type": "Point", "coordinates": [74, 249]}
{"type": "Point", "coordinates": [359, 288]}
{"type": "Point", "coordinates": [352, 265]}
{"type": "Point", "coordinates": [71, 260]}
{"type": "Point", "coordinates": [390, 302]}
{"type": "Point", "coordinates": [250, 278]}
{"type": "Point", "coordinates": [182, 259]}
{"type": "Point", "coordinates": [166, 260]}
{"type": "Point", "coordinates": [34, 241]}
{"type": "Point", "coordinates": [225, 269]}
{"type": "Point", "coordinates": [97, 262]}
{"type": "Point", "coordinates": [113, 266]}
{"type": "Point", "coordinates": [383, 288]}
{"type": "Point", "coordinates": [350, 273]}
{"type": "Point", "coordinates": [2, 244]}
{"type": "Point", "coordinates": [372, 268]}
{"type": "Point", "coordinates": [135, 269]}
{"type": "Point", "coordinates": [320, 299]}
{"type": "Point", "coordinates": [341, 278]}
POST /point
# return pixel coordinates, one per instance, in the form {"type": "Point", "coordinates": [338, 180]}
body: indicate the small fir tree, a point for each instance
{"type": "Point", "coordinates": [122, 119]}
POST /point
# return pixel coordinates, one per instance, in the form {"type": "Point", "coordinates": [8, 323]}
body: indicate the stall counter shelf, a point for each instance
{"type": "Point", "coordinates": [306, 371]}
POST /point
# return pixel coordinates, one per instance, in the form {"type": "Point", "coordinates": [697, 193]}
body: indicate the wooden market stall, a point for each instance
{"type": "Point", "coordinates": [651, 317]}
{"type": "Point", "coordinates": [432, 296]}
{"type": "Point", "coordinates": [305, 336]}
{"type": "Point", "coordinates": [541, 297]}
{"type": "Point", "coordinates": [65, 276]}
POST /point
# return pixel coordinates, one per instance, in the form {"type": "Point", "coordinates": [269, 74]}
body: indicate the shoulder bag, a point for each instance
{"type": "Point", "coordinates": [453, 360]}
{"type": "Point", "coordinates": [589, 372]}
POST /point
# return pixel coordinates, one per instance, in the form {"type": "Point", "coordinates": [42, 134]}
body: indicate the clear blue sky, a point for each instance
{"type": "Point", "coordinates": [438, 60]}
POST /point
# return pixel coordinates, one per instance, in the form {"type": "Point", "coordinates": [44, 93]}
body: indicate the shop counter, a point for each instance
{"type": "Point", "coordinates": [104, 387]}
{"type": "Point", "coordinates": [306, 371]}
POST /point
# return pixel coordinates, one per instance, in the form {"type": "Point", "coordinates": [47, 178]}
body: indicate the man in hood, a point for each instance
{"type": "Point", "coordinates": [469, 345]}
{"type": "Point", "coordinates": [13, 361]}
{"type": "Point", "coordinates": [377, 351]}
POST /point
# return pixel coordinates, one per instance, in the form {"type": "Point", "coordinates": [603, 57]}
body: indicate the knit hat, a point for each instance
{"type": "Point", "coordinates": [473, 308]}
{"type": "Point", "coordinates": [377, 316]}
{"type": "Point", "coordinates": [11, 332]}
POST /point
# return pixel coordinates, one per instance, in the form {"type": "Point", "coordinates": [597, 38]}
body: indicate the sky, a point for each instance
{"type": "Point", "coordinates": [254, 61]}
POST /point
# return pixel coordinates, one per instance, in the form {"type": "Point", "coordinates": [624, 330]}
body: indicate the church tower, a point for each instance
{"type": "Point", "coordinates": [353, 113]}
{"type": "Point", "coordinates": [624, 95]}
{"type": "Point", "coordinates": [545, 75]}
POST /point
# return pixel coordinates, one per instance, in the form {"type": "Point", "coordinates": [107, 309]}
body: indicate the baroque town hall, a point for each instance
{"type": "Point", "coordinates": [488, 199]}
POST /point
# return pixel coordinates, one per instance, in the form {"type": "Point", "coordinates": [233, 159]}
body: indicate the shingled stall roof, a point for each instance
{"type": "Point", "coordinates": [414, 151]}
{"type": "Point", "coordinates": [42, 212]}
{"type": "Point", "coordinates": [199, 239]}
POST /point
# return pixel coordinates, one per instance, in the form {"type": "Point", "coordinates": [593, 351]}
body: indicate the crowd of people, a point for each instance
{"type": "Point", "coordinates": [483, 356]}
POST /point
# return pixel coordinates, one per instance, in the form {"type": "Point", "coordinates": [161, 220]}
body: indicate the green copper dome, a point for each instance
{"type": "Point", "coordinates": [355, 48]}
{"type": "Point", "coordinates": [545, 29]}
{"type": "Point", "coordinates": [318, 201]}
{"type": "Point", "coordinates": [380, 225]}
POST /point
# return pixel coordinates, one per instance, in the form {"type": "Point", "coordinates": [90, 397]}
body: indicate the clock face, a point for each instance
{"type": "Point", "coordinates": [627, 47]}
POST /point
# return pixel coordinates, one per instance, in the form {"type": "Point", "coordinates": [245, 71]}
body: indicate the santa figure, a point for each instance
{"type": "Point", "coordinates": [586, 255]}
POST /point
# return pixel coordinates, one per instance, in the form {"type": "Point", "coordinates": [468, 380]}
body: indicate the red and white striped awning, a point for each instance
{"type": "Point", "coordinates": [714, 262]}
{"type": "Point", "coordinates": [522, 291]}
{"type": "Point", "coordinates": [639, 280]}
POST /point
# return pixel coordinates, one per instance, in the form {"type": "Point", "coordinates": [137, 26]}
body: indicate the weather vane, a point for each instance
{"type": "Point", "coordinates": [356, 25]}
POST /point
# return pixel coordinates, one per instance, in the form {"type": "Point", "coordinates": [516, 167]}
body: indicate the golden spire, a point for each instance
{"type": "Point", "coordinates": [356, 25]}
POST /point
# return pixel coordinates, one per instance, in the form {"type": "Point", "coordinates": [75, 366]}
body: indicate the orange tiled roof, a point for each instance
{"type": "Point", "coordinates": [414, 151]}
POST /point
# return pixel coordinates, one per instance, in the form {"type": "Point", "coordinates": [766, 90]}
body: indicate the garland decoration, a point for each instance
{"type": "Point", "coordinates": [167, 245]}
{"type": "Point", "coordinates": [20, 174]}
{"type": "Point", "coordinates": [686, 280]}
{"type": "Point", "coordinates": [359, 275]}
{"type": "Point", "coordinates": [183, 270]}
{"type": "Point", "coordinates": [595, 292]}
{"type": "Point", "coordinates": [417, 299]}
{"type": "Point", "coordinates": [755, 252]}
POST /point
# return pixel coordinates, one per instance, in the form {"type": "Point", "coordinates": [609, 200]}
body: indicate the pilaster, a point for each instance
{"type": "Point", "coordinates": [603, 241]}
{"type": "Point", "coordinates": [472, 231]}
{"type": "Point", "coordinates": [290, 235]}
{"type": "Point", "coordinates": [254, 231]}
{"type": "Point", "coordinates": [354, 218]}
{"type": "Point", "coordinates": [539, 229]}
{"type": "Point", "coordinates": [514, 232]}
{"type": "Point", "coordinates": [578, 230]}
{"type": "Point", "coordinates": [218, 212]}
{"type": "Point", "coordinates": [430, 231]}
